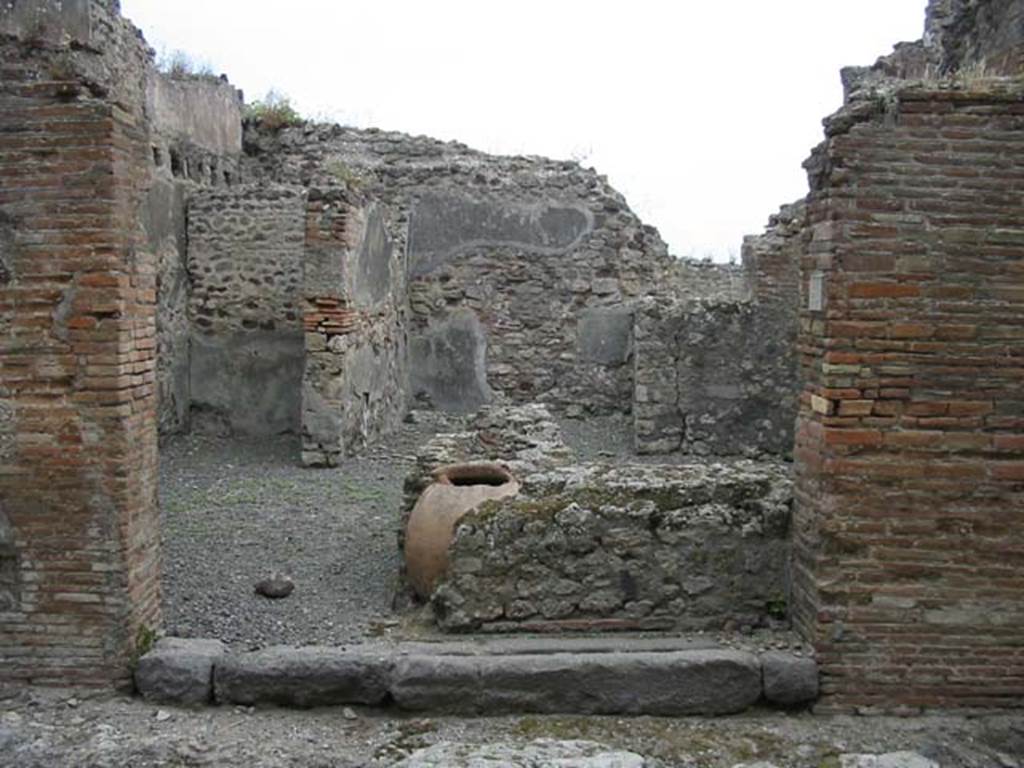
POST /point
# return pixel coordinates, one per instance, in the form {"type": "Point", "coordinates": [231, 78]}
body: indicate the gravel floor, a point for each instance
{"type": "Point", "coordinates": [237, 511]}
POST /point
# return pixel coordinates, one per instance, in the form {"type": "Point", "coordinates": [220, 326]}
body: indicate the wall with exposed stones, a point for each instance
{"type": "Point", "coordinates": [297, 316]}
{"type": "Point", "coordinates": [356, 376]}
{"type": "Point", "coordinates": [79, 534]}
{"type": "Point", "coordinates": [965, 40]}
{"type": "Point", "coordinates": [712, 379]}
{"type": "Point", "coordinates": [693, 279]}
{"type": "Point", "coordinates": [910, 444]}
{"type": "Point", "coordinates": [596, 547]}
{"type": "Point", "coordinates": [717, 374]}
{"type": "Point", "coordinates": [245, 268]}
{"type": "Point", "coordinates": [522, 271]}
{"type": "Point", "coordinates": [987, 36]}
{"type": "Point", "coordinates": [631, 547]}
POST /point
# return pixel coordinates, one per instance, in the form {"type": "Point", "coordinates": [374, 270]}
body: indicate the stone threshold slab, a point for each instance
{"type": "Point", "coordinates": [582, 676]}
{"type": "Point", "coordinates": [545, 645]}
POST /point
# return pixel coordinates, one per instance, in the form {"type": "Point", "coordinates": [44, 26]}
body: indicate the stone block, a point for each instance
{"type": "Point", "coordinates": [179, 671]}
{"type": "Point", "coordinates": [707, 682]}
{"type": "Point", "coordinates": [303, 677]}
{"type": "Point", "coordinates": [437, 683]}
{"type": "Point", "coordinates": [789, 680]}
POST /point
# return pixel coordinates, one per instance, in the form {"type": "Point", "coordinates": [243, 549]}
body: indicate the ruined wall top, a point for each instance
{"type": "Point", "coordinates": [395, 165]}
{"type": "Point", "coordinates": [80, 48]}
{"type": "Point", "coordinates": [966, 38]}
{"type": "Point", "coordinates": [85, 48]}
{"type": "Point", "coordinates": [206, 111]}
{"type": "Point", "coordinates": [976, 33]}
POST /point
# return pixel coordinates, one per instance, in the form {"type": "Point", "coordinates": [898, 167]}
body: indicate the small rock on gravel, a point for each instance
{"type": "Point", "coordinates": [276, 587]}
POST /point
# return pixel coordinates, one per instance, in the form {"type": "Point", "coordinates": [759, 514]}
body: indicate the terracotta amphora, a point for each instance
{"type": "Point", "coordinates": [456, 489]}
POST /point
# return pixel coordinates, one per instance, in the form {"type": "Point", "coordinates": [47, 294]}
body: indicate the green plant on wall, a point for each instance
{"type": "Point", "coordinates": [776, 607]}
{"type": "Point", "coordinates": [343, 173]}
{"type": "Point", "coordinates": [274, 111]}
{"type": "Point", "coordinates": [178, 65]}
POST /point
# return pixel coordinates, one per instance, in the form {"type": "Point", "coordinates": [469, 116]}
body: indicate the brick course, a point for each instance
{"type": "Point", "coordinates": [78, 459]}
{"type": "Point", "coordinates": [908, 537]}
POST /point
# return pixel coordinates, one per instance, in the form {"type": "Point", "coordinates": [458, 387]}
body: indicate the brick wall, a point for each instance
{"type": "Point", "coordinates": [78, 522]}
{"type": "Point", "coordinates": [909, 523]}
{"type": "Point", "coordinates": [771, 262]}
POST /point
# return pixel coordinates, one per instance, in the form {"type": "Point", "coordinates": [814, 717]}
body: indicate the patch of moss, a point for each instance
{"type": "Point", "coordinates": [776, 607]}
{"type": "Point", "coordinates": [145, 639]}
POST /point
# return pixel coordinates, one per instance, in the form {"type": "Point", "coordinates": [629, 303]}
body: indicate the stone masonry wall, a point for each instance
{"type": "Point", "coordinates": [356, 378]}
{"type": "Point", "coordinates": [245, 254]}
{"type": "Point", "coordinates": [973, 33]}
{"type": "Point", "coordinates": [717, 375]}
{"type": "Point", "coordinates": [910, 445]}
{"type": "Point", "coordinates": [522, 270]}
{"type": "Point", "coordinates": [79, 534]}
{"type": "Point", "coordinates": [525, 439]}
{"type": "Point", "coordinates": [522, 438]}
{"type": "Point", "coordinates": [712, 379]}
{"type": "Point", "coordinates": [963, 39]}
{"type": "Point", "coordinates": [692, 279]}
{"type": "Point", "coordinates": [631, 547]}
{"type": "Point", "coordinates": [196, 142]}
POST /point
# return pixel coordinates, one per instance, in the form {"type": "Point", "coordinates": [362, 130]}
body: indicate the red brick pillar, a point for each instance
{"type": "Point", "coordinates": [909, 526]}
{"type": "Point", "coordinates": [78, 452]}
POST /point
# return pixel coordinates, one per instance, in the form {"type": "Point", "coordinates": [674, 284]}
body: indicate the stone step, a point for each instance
{"type": "Point", "coordinates": [587, 676]}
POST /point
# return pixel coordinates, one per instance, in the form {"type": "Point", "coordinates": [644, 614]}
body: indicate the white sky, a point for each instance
{"type": "Point", "coordinates": [699, 112]}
